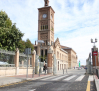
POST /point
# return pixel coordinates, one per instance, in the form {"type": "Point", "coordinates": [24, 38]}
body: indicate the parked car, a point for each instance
{"type": "Point", "coordinates": [1, 62]}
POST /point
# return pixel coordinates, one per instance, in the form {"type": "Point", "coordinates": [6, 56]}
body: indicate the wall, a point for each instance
{"type": "Point", "coordinates": [62, 58]}
{"type": "Point", "coordinates": [7, 71]}
{"type": "Point", "coordinates": [10, 71]}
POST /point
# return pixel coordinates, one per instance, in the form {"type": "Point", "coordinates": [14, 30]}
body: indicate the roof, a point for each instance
{"type": "Point", "coordinates": [65, 47]}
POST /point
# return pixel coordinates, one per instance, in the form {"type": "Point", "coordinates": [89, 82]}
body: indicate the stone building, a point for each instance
{"type": "Point", "coordinates": [72, 57]}
{"type": "Point", "coordinates": [65, 58]}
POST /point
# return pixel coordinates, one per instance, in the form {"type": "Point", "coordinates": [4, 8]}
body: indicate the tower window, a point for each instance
{"type": "Point", "coordinates": [43, 27]}
{"type": "Point", "coordinates": [46, 26]}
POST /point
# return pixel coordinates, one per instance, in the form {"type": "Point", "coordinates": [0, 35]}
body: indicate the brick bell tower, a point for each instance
{"type": "Point", "coordinates": [45, 27]}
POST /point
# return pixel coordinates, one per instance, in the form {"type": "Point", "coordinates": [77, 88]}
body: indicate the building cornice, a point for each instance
{"type": "Point", "coordinates": [49, 7]}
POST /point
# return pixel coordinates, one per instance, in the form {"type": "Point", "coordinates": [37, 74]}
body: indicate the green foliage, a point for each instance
{"type": "Point", "coordinates": [42, 58]}
{"type": "Point", "coordinates": [28, 44]}
{"type": "Point", "coordinates": [21, 45]}
{"type": "Point", "coordinates": [9, 34]}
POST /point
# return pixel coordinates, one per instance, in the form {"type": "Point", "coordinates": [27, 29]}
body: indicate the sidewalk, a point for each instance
{"type": "Point", "coordinates": [19, 78]}
{"type": "Point", "coordinates": [96, 82]}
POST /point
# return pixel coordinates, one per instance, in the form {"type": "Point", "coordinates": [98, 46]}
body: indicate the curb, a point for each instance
{"type": "Point", "coordinates": [20, 81]}
{"type": "Point", "coordinates": [96, 83]}
{"type": "Point", "coordinates": [37, 77]}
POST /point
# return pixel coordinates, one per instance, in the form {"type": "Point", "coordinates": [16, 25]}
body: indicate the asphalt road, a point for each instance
{"type": "Point", "coordinates": [74, 81]}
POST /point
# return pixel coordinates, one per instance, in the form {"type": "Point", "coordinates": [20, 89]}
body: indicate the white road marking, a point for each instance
{"type": "Point", "coordinates": [32, 90]}
{"type": "Point", "coordinates": [80, 78]}
{"type": "Point", "coordinates": [90, 78]}
{"type": "Point", "coordinates": [67, 79]}
{"type": "Point", "coordinates": [48, 78]}
{"type": "Point", "coordinates": [59, 77]}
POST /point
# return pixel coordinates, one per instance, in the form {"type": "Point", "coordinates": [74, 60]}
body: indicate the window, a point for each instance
{"type": "Point", "coordinates": [41, 55]}
{"type": "Point", "coordinates": [46, 52]}
{"type": "Point", "coordinates": [47, 26]}
{"type": "Point", "coordinates": [43, 27]}
{"type": "Point", "coordinates": [58, 65]}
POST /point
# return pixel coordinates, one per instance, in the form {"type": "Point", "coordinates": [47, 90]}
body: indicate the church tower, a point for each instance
{"type": "Point", "coordinates": [45, 26]}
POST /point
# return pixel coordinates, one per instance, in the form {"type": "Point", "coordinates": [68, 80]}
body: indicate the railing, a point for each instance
{"type": "Point", "coordinates": [97, 73]}
{"type": "Point", "coordinates": [7, 65]}
{"type": "Point", "coordinates": [20, 65]}
{"type": "Point", "coordinates": [41, 64]}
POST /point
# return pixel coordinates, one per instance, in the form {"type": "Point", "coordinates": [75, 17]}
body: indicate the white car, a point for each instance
{"type": "Point", "coordinates": [3, 63]}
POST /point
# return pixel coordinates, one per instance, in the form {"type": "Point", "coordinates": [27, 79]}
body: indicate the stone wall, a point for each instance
{"type": "Point", "coordinates": [11, 71]}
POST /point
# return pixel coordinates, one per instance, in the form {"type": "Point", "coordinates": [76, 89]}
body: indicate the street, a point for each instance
{"type": "Point", "coordinates": [75, 80]}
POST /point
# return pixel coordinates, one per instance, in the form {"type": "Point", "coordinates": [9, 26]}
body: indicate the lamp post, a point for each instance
{"type": "Point", "coordinates": [94, 49]}
{"type": "Point", "coordinates": [40, 41]}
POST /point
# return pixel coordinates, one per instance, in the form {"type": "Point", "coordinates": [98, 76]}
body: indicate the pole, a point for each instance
{"type": "Point", "coordinates": [40, 62]}
{"type": "Point", "coordinates": [33, 73]}
{"type": "Point", "coordinates": [95, 64]}
{"type": "Point", "coordinates": [27, 67]}
{"type": "Point", "coordinates": [63, 71]}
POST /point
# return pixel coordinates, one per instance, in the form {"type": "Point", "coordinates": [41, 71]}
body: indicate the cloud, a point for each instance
{"type": "Point", "coordinates": [76, 21]}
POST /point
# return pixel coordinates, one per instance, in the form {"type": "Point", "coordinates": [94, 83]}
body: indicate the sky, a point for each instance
{"type": "Point", "coordinates": [76, 22]}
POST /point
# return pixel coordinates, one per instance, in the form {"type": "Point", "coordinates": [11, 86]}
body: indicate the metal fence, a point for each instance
{"type": "Point", "coordinates": [7, 65]}
{"type": "Point", "coordinates": [97, 73]}
{"type": "Point", "coordinates": [7, 59]}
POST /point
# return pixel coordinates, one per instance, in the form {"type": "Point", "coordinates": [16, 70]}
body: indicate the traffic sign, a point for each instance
{"type": "Point", "coordinates": [95, 53]}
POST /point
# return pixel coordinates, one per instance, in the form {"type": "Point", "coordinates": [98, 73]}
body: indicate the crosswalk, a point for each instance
{"type": "Point", "coordinates": [67, 78]}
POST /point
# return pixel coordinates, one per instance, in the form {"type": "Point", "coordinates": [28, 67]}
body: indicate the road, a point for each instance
{"type": "Point", "coordinates": [75, 80]}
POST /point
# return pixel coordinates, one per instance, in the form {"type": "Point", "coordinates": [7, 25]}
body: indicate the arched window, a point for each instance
{"type": "Point", "coordinates": [47, 26]}
{"type": "Point", "coordinates": [43, 27]}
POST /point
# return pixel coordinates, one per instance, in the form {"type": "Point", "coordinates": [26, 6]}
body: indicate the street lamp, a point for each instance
{"type": "Point", "coordinates": [94, 47]}
{"type": "Point", "coordinates": [94, 42]}
{"type": "Point", "coordinates": [40, 41]}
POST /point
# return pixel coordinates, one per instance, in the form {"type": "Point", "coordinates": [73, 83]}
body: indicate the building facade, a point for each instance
{"type": "Point", "coordinates": [46, 33]}
{"type": "Point", "coordinates": [72, 57]}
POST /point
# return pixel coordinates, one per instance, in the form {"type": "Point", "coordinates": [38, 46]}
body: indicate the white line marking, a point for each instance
{"type": "Point", "coordinates": [80, 78]}
{"type": "Point", "coordinates": [90, 78]}
{"type": "Point", "coordinates": [67, 79]}
{"type": "Point", "coordinates": [59, 77]}
{"type": "Point", "coordinates": [32, 90]}
{"type": "Point", "coordinates": [47, 78]}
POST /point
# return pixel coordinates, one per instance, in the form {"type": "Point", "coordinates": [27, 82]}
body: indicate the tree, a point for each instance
{"type": "Point", "coordinates": [28, 44]}
{"type": "Point", "coordinates": [10, 36]}
{"type": "Point", "coordinates": [21, 45]}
